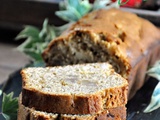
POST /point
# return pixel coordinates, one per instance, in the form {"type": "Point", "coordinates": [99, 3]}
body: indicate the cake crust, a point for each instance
{"type": "Point", "coordinates": [96, 88]}
{"type": "Point", "coordinates": [25, 113]}
{"type": "Point", "coordinates": [125, 40]}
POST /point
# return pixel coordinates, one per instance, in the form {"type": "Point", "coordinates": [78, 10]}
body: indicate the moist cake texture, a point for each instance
{"type": "Point", "coordinates": [78, 89]}
{"type": "Point", "coordinates": [123, 39]}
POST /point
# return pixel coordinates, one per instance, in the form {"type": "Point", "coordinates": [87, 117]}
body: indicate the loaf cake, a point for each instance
{"type": "Point", "coordinates": [26, 113]}
{"type": "Point", "coordinates": [78, 89]}
{"type": "Point", "coordinates": [123, 39]}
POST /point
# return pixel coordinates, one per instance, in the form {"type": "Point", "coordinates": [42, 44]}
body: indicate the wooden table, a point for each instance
{"type": "Point", "coordinates": [10, 60]}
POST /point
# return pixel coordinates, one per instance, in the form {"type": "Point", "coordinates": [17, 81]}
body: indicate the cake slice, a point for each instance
{"type": "Point", "coordinates": [126, 41]}
{"type": "Point", "coordinates": [26, 113]}
{"type": "Point", "coordinates": [77, 89]}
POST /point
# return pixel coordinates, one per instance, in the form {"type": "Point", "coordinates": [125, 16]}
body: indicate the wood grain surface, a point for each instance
{"type": "Point", "coordinates": [10, 60]}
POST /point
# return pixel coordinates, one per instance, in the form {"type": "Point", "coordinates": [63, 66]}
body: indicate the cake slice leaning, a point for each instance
{"type": "Point", "coordinates": [77, 89]}
{"type": "Point", "coordinates": [26, 113]}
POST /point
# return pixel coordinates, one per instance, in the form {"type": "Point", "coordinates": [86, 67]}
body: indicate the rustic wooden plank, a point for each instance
{"type": "Point", "coordinates": [10, 60]}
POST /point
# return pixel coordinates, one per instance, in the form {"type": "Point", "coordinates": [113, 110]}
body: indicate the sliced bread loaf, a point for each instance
{"type": "Point", "coordinates": [128, 42]}
{"type": "Point", "coordinates": [26, 113]}
{"type": "Point", "coordinates": [77, 89]}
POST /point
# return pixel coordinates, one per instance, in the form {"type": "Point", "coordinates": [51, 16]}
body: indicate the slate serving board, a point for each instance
{"type": "Point", "coordinates": [135, 106]}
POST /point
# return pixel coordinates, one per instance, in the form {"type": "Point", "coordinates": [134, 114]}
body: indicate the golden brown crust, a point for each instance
{"type": "Point", "coordinates": [118, 113]}
{"type": "Point", "coordinates": [90, 104]}
{"type": "Point", "coordinates": [112, 23]}
{"type": "Point", "coordinates": [137, 76]}
{"type": "Point", "coordinates": [110, 96]}
{"type": "Point", "coordinates": [26, 113]}
{"type": "Point", "coordinates": [135, 39]}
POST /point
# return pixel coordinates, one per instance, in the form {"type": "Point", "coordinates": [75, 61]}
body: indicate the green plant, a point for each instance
{"type": "Point", "coordinates": [73, 10]}
{"type": "Point", "coordinates": [9, 106]}
{"type": "Point", "coordinates": [36, 40]}
{"type": "Point", "coordinates": [154, 104]}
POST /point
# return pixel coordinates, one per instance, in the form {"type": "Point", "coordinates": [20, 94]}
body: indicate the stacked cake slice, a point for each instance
{"type": "Point", "coordinates": [78, 92]}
